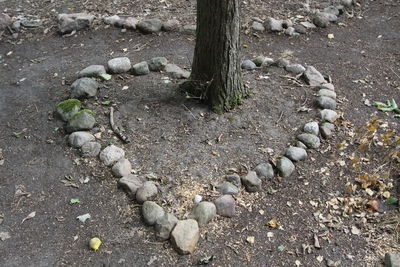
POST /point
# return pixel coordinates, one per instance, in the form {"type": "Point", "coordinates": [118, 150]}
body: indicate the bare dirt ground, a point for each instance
{"type": "Point", "coordinates": [187, 149]}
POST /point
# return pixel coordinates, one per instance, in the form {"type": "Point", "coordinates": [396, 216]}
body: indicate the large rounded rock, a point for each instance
{"type": "Point", "coordinates": [326, 102]}
{"type": "Point", "coordinates": [258, 26]}
{"type": "Point", "coordinates": [78, 139]}
{"type": "Point", "coordinates": [313, 77]}
{"type": "Point", "coordinates": [122, 168]}
{"type": "Point", "coordinates": [248, 65]}
{"type": "Point", "coordinates": [203, 212]}
{"type": "Point", "coordinates": [225, 205]}
{"type": "Point", "coordinates": [84, 88]}
{"type": "Point", "coordinates": [90, 149]}
{"type": "Point", "coordinates": [295, 68]}
{"type": "Point", "coordinates": [170, 25]}
{"type": "Point", "coordinates": [93, 71]}
{"type": "Point", "coordinates": [149, 25]}
{"type": "Point", "coordinates": [119, 65]}
{"type": "Point", "coordinates": [157, 63]}
{"type": "Point", "coordinates": [130, 23]}
{"type": "Point", "coordinates": [310, 140]}
{"type": "Point", "coordinates": [147, 192]}
{"type": "Point", "coordinates": [311, 128]}
{"type": "Point", "coordinates": [234, 179]}
{"type": "Point", "coordinates": [252, 182]}
{"type": "Point", "coordinates": [82, 120]}
{"type": "Point", "coordinates": [327, 129]}
{"type": "Point", "coordinates": [185, 236]}
{"type": "Point", "coordinates": [227, 188]}
{"type": "Point", "coordinates": [5, 20]}
{"type": "Point", "coordinates": [176, 72]}
{"type": "Point", "coordinates": [262, 61]}
{"type": "Point", "coordinates": [131, 183]}
{"type": "Point", "coordinates": [327, 93]}
{"type": "Point", "coordinates": [296, 153]}
{"type": "Point", "coordinates": [285, 167]}
{"type": "Point", "coordinates": [111, 154]}
{"type": "Point", "coordinates": [151, 212]}
{"type": "Point", "coordinates": [274, 25]}
{"type": "Point", "coordinates": [141, 68]}
{"type": "Point", "coordinates": [264, 170]}
{"type": "Point", "coordinates": [328, 115]}
{"type": "Point", "coordinates": [164, 226]}
{"type": "Point", "coordinates": [68, 108]}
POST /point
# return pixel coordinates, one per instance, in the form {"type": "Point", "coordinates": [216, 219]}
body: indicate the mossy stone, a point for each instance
{"type": "Point", "coordinates": [68, 108]}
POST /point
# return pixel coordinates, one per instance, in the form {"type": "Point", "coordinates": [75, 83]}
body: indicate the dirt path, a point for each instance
{"type": "Point", "coordinates": [39, 159]}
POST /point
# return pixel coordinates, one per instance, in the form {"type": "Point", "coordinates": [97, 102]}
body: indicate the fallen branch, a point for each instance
{"type": "Point", "coordinates": [122, 137]}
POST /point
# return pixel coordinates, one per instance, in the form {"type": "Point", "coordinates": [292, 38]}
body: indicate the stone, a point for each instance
{"type": "Point", "coordinates": [90, 149]}
{"type": "Point", "coordinates": [234, 179]}
{"type": "Point", "coordinates": [130, 23]}
{"type": "Point", "coordinates": [157, 63]}
{"type": "Point", "coordinates": [226, 206]}
{"type": "Point", "coordinates": [68, 108]}
{"type": "Point", "coordinates": [151, 212]}
{"type": "Point", "coordinates": [296, 153]}
{"type": "Point", "coordinates": [274, 25]}
{"type": "Point", "coordinates": [287, 23]}
{"type": "Point", "coordinates": [313, 77]}
{"type": "Point", "coordinates": [301, 145]}
{"type": "Point", "coordinates": [164, 225]}
{"type": "Point", "coordinates": [248, 65]}
{"type": "Point", "coordinates": [392, 259]}
{"type": "Point", "coordinates": [295, 68]}
{"type": "Point", "coordinates": [78, 139]}
{"type": "Point", "coordinates": [227, 188]}
{"type": "Point", "coordinates": [332, 10]}
{"type": "Point", "coordinates": [185, 236]}
{"type": "Point", "coordinates": [262, 61]}
{"type": "Point", "coordinates": [84, 88]}
{"type": "Point", "coordinates": [328, 115]}
{"type": "Point", "coordinates": [257, 26]}
{"type": "Point", "coordinates": [15, 26]}
{"type": "Point", "coordinates": [5, 21]}
{"type": "Point", "coordinates": [290, 31]}
{"type": "Point", "coordinates": [327, 130]}
{"type": "Point", "coordinates": [119, 65]}
{"type": "Point", "coordinates": [308, 25]}
{"type": "Point", "coordinates": [131, 183]}
{"type": "Point", "coordinates": [300, 29]}
{"type": "Point", "coordinates": [326, 102]}
{"type": "Point", "coordinates": [203, 212]}
{"type": "Point", "coordinates": [141, 68]}
{"type": "Point", "coordinates": [82, 120]}
{"type": "Point", "coordinates": [327, 86]}
{"type": "Point", "coordinates": [285, 167]}
{"type": "Point", "coordinates": [311, 128]}
{"type": "Point", "coordinates": [147, 192]}
{"type": "Point", "coordinates": [347, 3]}
{"type": "Point", "coordinates": [93, 71]}
{"type": "Point", "coordinates": [111, 154]}
{"type": "Point", "coordinates": [74, 22]}
{"type": "Point", "coordinates": [176, 72]}
{"type": "Point", "coordinates": [251, 182]}
{"type": "Point", "coordinates": [310, 140]}
{"type": "Point", "coordinates": [264, 170]}
{"type": "Point", "coordinates": [170, 25]}
{"type": "Point", "coordinates": [282, 62]}
{"type": "Point", "coordinates": [189, 29]}
{"type": "Point", "coordinates": [149, 25]}
{"type": "Point", "coordinates": [322, 19]}
{"type": "Point", "coordinates": [327, 93]}
{"type": "Point", "coordinates": [122, 168]}
{"type": "Point", "coordinates": [114, 20]}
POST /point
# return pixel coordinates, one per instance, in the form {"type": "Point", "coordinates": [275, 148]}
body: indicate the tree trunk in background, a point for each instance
{"type": "Point", "coordinates": [216, 75]}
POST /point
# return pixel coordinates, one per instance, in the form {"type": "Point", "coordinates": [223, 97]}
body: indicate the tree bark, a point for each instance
{"type": "Point", "coordinates": [216, 75]}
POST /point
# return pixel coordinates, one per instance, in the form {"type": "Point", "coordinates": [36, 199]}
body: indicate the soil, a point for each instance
{"type": "Point", "coordinates": [187, 149]}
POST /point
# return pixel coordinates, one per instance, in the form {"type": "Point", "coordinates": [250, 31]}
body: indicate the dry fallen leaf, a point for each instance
{"type": "Point", "coordinates": [355, 230]}
{"type": "Point", "coordinates": [250, 239]}
{"type": "Point", "coordinates": [30, 216]}
{"type": "Point", "coordinates": [273, 223]}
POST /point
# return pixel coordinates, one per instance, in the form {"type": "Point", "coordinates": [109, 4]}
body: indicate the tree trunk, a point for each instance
{"type": "Point", "coordinates": [216, 75]}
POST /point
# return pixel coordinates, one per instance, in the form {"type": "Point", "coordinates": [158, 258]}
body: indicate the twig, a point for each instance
{"type": "Point", "coordinates": [280, 117]}
{"type": "Point", "coordinates": [394, 72]}
{"type": "Point", "coordinates": [306, 98]}
{"type": "Point", "coordinates": [122, 137]}
{"type": "Point", "coordinates": [189, 111]}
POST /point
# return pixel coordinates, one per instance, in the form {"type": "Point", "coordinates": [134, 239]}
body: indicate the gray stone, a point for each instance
{"type": "Point", "coordinates": [310, 140]}
{"type": "Point", "coordinates": [5, 21]}
{"type": "Point", "coordinates": [290, 31]}
{"type": "Point", "coordinates": [234, 179]}
{"type": "Point", "coordinates": [93, 71]}
{"type": "Point", "coordinates": [257, 26]}
{"type": "Point", "coordinates": [328, 115]}
{"type": "Point", "coordinates": [248, 65]}
{"type": "Point", "coordinates": [313, 77]}
{"type": "Point", "coordinates": [90, 149]}
{"type": "Point", "coordinates": [327, 130]}
{"type": "Point", "coordinates": [311, 128]}
{"type": "Point", "coordinates": [122, 168]}
{"type": "Point", "coordinates": [262, 61]}
{"type": "Point", "coordinates": [300, 28]}
{"type": "Point", "coordinates": [327, 86]}
{"type": "Point", "coordinates": [301, 145]}
{"type": "Point", "coordinates": [114, 20]}
{"type": "Point", "coordinates": [151, 212]}
{"type": "Point", "coordinates": [332, 10]}
{"type": "Point", "coordinates": [323, 19]}
{"type": "Point", "coordinates": [264, 170]}
{"type": "Point", "coordinates": [296, 153]}
{"type": "Point", "coordinates": [176, 72]}
{"type": "Point", "coordinates": [185, 236]}
{"type": "Point", "coordinates": [287, 23]}
{"type": "Point", "coordinates": [119, 65]}
{"type": "Point", "coordinates": [141, 68]}
{"type": "Point", "coordinates": [347, 3]}
{"type": "Point", "coordinates": [189, 29]}
{"type": "Point", "coordinates": [285, 167]}
{"type": "Point", "coordinates": [308, 25]}
{"type": "Point", "coordinates": [68, 108]}
{"type": "Point", "coordinates": [203, 212]}
{"type": "Point", "coordinates": [15, 26]}
{"type": "Point", "coordinates": [251, 182]}
{"type": "Point", "coordinates": [392, 259]}
{"type": "Point", "coordinates": [282, 62]}
{"type": "Point", "coordinates": [78, 139]}
{"type": "Point", "coordinates": [295, 68]}
{"type": "Point", "coordinates": [149, 25]}
{"type": "Point", "coordinates": [147, 192]}
{"type": "Point", "coordinates": [227, 188]}
{"type": "Point", "coordinates": [84, 88]}
{"type": "Point", "coordinates": [157, 63]}
{"type": "Point", "coordinates": [111, 154]}
{"type": "Point", "coordinates": [170, 25]}
{"type": "Point", "coordinates": [164, 226]}
{"type": "Point", "coordinates": [131, 183]}
{"type": "Point", "coordinates": [327, 93]}
{"type": "Point", "coordinates": [226, 206]}
{"type": "Point", "coordinates": [83, 120]}
{"type": "Point", "coordinates": [130, 23]}
{"type": "Point", "coordinates": [74, 22]}
{"type": "Point", "coordinates": [274, 25]}
{"type": "Point", "coordinates": [326, 102]}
